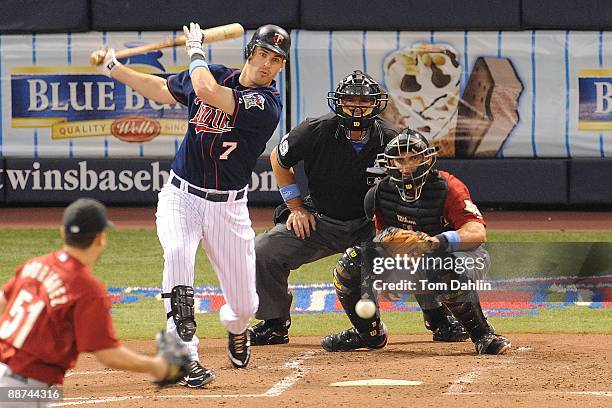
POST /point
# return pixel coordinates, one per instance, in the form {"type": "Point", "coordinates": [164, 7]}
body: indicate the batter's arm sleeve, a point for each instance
{"type": "Point", "coordinates": [150, 86]}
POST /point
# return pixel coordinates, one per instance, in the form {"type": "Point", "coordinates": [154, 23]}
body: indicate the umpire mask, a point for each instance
{"type": "Point", "coordinates": [408, 158]}
{"type": "Point", "coordinates": [350, 101]}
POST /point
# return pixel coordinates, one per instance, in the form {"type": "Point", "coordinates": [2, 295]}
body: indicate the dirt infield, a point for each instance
{"type": "Point", "coordinates": [262, 217]}
{"type": "Point", "coordinates": [558, 370]}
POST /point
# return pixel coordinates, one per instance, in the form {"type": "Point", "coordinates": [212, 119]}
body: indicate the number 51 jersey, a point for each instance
{"type": "Point", "coordinates": [56, 309]}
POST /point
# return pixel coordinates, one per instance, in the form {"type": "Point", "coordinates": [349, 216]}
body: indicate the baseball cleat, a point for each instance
{"type": "Point", "coordinates": [198, 376]}
{"type": "Point", "coordinates": [492, 344]}
{"type": "Point", "coordinates": [449, 330]}
{"type": "Point", "coordinates": [268, 332]}
{"type": "Point", "coordinates": [238, 349]}
{"type": "Point", "coordinates": [348, 340]}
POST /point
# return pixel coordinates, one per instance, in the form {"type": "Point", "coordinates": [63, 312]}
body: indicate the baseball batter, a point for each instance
{"type": "Point", "coordinates": [53, 308]}
{"type": "Point", "coordinates": [232, 115]}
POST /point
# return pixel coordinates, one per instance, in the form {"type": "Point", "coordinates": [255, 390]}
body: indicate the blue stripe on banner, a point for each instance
{"type": "Point", "coordinates": [397, 40]}
{"type": "Point", "coordinates": [602, 151]}
{"type": "Point", "coordinates": [533, 94]}
{"type": "Point", "coordinates": [330, 57]}
{"type": "Point", "coordinates": [141, 150]}
{"type": "Point", "coordinates": [296, 69]}
{"type": "Point", "coordinates": [174, 48]}
{"type": "Point", "coordinates": [139, 35]}
{"type": "Point", "coordinates": [500, 153]}
{"type": "Point", "coordinates": [210, 53]}
{"type": "Point", "coordinates": [432, 37]}
{"type": "Point", "coordinates": [466, 67]}
{"type": "Point", "coordinates": [282, 116]}
{"type": "Point", "coordinates": [1, 124]}
{"type": "Point", "coordinates": [34, 63]}
{"type": "Point", "coordinates": [363, 51]}
{"type": "Point", "coordinates": [567, 93]}
{"type": "Point", "coordinates": [69, 56]}
{"type": "Point", "coordinates": [104, 41]}
{"type": "Point", "coordinates": [176, 146]}
{"type": "Point", "coordinates": [244, 44]}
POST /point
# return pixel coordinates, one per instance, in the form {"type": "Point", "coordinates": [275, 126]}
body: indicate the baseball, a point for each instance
{"type": "Point", "coordinates": [365, 308]}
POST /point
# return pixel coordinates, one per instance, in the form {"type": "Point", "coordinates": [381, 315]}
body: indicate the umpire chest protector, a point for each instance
{"type": "Point", "coordinates": [424, 214]}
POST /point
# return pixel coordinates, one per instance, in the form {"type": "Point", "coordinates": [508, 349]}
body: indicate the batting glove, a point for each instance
{"type": "Point", "coordinates": [194, 38]}
{"type": "Point", "coordinates": [110, 62]}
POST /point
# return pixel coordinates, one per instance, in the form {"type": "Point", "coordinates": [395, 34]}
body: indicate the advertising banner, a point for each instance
{"type": "Point", "coordinates": [475, 94]}
{"type": "Point", "coordinates": [55, 104]}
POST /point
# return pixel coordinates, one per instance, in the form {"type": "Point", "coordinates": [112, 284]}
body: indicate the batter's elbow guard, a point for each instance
{"type": "Point", "coordinates": [182, 311]}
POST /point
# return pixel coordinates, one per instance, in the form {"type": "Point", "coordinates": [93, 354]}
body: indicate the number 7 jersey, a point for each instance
{"type": "Point", "coordinates": [220, 150]}
{"type": "Point", "coordinates": [56, 309]}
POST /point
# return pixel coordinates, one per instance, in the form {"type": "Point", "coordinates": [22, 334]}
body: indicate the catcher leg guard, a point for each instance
{"type": "Point", "coordinates": [470, 315]}
{"type": "Point", "coordinates": [444, 326]}
{"type": "Point", "coordinates": [348, 282]}
{"type": "Point", "coordinates": [182, 311]}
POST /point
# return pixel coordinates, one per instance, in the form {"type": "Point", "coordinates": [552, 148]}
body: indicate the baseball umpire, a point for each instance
{"type": "Point", "coordinates": [415, 199]}
{"type": "Point", "coordinates": [53, 308]}
{"type": "Point", "coordinates": [232, 114]}
{"type": "Point", "coordinates": [339, 150]}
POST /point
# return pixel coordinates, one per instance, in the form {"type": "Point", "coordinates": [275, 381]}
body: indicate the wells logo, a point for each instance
{"type": "Point", "coordinates": [135, 128]}
{"type": "Point", "coordinates": [77, 102]}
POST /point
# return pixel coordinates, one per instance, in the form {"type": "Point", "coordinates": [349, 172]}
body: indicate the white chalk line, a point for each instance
{"type": "Point", "coordinates": [295, 364]}
{"type": "Point", "coordinates": [458, 386]}
{"type": "Point", "coordinates": [518, 393]}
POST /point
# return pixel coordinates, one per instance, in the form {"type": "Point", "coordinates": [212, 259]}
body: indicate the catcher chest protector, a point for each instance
{"type": "Point", "coordinates": [182, 311]}
{"type": "Point", "coordinates": [424, 214]}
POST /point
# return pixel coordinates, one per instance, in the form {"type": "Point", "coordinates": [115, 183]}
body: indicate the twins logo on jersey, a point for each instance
{"type": "Point", "coordinates": [254, 99]}
{"type": "Point", "coordinates": [210, 119]}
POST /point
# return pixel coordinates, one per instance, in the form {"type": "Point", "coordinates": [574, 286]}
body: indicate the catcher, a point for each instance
{"type": "Point", "coordinates": [53, 308]}
{"type": "Point", "coordinates": [420, 214]}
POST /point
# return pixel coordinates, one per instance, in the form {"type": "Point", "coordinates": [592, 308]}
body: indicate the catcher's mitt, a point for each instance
{"type": "Point", "coordinates": [177, 356]}
{"type": "Point", "coordinates": [406, 242]}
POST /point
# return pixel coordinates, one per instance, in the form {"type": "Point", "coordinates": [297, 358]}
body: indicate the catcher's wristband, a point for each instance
{"type": "Point", "coordinates": [197, 61]}
{"type": "Point", "coordinates": [290, 192]}
{"type": "Point", "coordinates": [449, 241]}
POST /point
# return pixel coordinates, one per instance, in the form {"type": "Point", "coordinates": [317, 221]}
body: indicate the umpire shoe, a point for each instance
{"type": "Point", "coordinates": [270, 332]}
{"type": "Point", "coordinates": [198, 376]}
{"type": "Point", "coordinates": [348, 340]}
{"type": "Point", "coordinates": [492, 344]}
{"type": "Point", "coordinates": [449, 330]}
{"type": "Point", "coordinates": [238, 349]}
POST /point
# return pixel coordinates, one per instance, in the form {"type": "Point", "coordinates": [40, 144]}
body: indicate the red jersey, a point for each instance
{"type": "Point", "coordinates": [458, 206]}
{"type": "Point", "coordinates": [56, 309]}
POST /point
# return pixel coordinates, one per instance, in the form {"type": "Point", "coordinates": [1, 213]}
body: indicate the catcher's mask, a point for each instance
{"type": "Point", "coordinates": [357, 100]}
{"type": "Point", "coordinates": [270, 37]}
{"type": "Point", "coordinates": [408, 158]}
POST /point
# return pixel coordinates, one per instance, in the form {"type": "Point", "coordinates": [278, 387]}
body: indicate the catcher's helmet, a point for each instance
{"type": "Point", "coordinates": [408, 158]}
{"type": "Point", "coordinates": [357, 84]}
{"type": "Point", "coordinates": [270, 37]}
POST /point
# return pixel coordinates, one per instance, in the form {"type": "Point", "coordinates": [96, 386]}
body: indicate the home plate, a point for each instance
{"type": "Point", "coordinates": [374, 382]}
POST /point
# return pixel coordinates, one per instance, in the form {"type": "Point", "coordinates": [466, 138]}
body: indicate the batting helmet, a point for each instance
{"type": "Point", "coordinates": [408, 158]}
{"type": "Point", "coordinates": [357, 84]}
{"type": "Point", "coordinates": [270, 37]}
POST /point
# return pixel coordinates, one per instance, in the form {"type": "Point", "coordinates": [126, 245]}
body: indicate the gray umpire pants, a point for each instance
{"type": "Point", "coordinates": [279, 251]}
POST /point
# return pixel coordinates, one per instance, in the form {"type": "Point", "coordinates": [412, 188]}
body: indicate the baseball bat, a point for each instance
{"type": "Point", "coordinates": [212, 34]}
